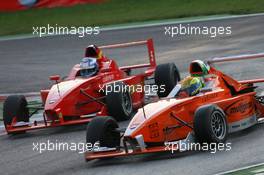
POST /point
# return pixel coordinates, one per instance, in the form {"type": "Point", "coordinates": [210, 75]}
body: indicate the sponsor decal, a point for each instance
{"type": "Point", "coordinates": [108, 78]}
{"type": "Point", "coordinates": [154, 130]}
{"type": "Point", "coordinates": [241, 108]}
{"type": "Point", "coordinates": [134, 125]}
{"type": "Point", "coordinates": [242, 124]}
{"type": "Point", "coordinates": [209, 97]}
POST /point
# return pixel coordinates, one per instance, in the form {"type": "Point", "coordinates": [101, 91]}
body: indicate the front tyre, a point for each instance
{"type": "Point", "coordinates": [103, 130]}
{"type": "Point", "coordinates": [15, 106]}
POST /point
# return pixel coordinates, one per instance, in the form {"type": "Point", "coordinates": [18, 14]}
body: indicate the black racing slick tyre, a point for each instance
{"type": "Point", "coordinates": [103, 129]}
{"type": "Point", "coordinates": [119, 101]}
{"type": "Point", "coordinates": [15, 106]}
{"type": "Point", "coordinates": [166, 78]}
{"type": "Point", "coordinates": [210, 125]}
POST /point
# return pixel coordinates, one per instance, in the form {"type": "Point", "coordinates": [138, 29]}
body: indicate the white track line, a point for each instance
{"type": "Point", "coordinates": [28, 94]}
{"type": "Point", "coordinates": [239, 169]}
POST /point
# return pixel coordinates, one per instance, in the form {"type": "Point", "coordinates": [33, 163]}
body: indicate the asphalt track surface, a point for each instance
{"type": "Point", "coordinates": [26, 64]}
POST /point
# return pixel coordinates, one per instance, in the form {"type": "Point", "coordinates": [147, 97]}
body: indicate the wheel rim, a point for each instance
{"type": "Point", "coordinates": [218, 125]}
{"type": "Point", "coordinates": [127, 105]}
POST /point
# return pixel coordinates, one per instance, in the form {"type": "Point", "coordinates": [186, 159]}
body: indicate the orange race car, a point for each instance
{"type": "Point", "coordinates": [221, 106]}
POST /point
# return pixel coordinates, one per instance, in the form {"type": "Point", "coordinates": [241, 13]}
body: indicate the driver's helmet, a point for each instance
{"type": "Point", "coordinates": [89, 67]}
{"type": "Point", "coordinates": [191, 85]}
{"type": "Point", "coordinates": [198, 68]}
{"type": "Point", "coordinates": [93, 51]}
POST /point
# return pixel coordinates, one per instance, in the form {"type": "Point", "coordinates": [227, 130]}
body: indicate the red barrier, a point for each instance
{"type": "Point", "coordinates": [15, 5]}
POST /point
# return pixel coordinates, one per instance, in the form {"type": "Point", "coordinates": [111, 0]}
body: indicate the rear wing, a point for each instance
{"type": "Point", "coordinates": [239, 58]}
{"type": "Point", "coordinates": [151, 53]}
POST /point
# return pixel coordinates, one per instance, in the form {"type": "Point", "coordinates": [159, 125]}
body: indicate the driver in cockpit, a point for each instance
{"type": "Point", "coordinates": [192, 84]}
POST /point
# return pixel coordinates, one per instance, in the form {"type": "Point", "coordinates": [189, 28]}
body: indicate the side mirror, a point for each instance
{"type": "Point", "coordinates": [54, 78]}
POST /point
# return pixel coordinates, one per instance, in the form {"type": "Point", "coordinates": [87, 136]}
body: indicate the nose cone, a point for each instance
{"type": "Point", "coordinates": [142, 117]}
{"type": "Point", "coordinates": [60, 90]}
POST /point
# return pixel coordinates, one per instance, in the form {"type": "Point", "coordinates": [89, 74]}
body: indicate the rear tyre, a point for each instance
{"type": "Point", "coordinates": [210, 125]}
{"type": "Point", "coordinates": [166, 77]}
{"type": "Point", "coordinates": [119, 101]}
{"type": "Point", "coordinates": [103, 129]}
{"type": "Point", "coordinates": [15, 106]}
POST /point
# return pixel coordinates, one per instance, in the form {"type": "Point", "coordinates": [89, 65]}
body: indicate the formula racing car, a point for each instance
{"type": "Point", "coordinates": [224, 105]}
{"type": "Point", "coordinates": [77, 99]}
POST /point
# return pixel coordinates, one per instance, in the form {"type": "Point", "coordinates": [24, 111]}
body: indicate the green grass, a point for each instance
{"type": "Point", "coordinates": [249, 171]}
{"type": "Point", "coordinates": [122, 11]}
